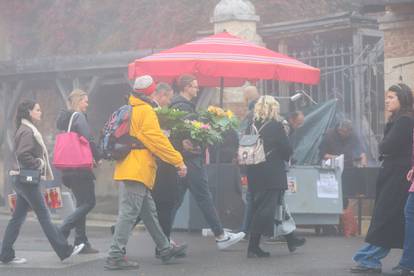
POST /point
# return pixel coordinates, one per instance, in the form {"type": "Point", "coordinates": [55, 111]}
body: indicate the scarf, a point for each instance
{"type": "Point", "coordinates": [48, 174]}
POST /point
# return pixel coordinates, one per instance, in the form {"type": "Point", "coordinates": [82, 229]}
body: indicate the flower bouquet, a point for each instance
{"type": "Point", "coordinates": [219, 119]}
{"type": "Point", "coordinates": [201, 133]}
{"type": "Point", "coordinates": [170, 119]}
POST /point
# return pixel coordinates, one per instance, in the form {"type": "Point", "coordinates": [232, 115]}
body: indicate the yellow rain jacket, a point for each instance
{"type": "Point", "coordinates": [140, 164]}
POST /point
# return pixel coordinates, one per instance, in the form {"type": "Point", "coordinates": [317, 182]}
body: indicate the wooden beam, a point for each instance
{"type": "Point", "coordinates": [114, 81]}
{"type": "Point", "coordinates": [16, 94]}
{"type": "Point", "coordinates": [63, 92]}
{"type": "Point", "coordinates": [76, 83]}
{"type": "Point", "coordinates": [93, 85]}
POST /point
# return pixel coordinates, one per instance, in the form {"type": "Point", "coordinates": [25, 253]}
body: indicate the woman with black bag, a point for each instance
{"type": "Point", "coordinates": [81, 181]}
{"type": "Point", "coordinates": [267, 180]}
{"type": "Point", "coordinates": [32, 164]}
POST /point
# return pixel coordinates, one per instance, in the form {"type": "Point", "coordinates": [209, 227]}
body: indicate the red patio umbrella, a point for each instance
{"type": "Point", "coordinates": [223, 60]}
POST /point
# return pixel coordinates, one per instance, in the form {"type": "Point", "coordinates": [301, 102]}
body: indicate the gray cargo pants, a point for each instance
{"type": "Point", "coordinates": [135, 200]}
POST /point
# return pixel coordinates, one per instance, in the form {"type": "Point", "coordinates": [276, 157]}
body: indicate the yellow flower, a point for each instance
{"type": "Point", "coordinates": [216, 110]}
{"type": "Point", "coordinates": [197, 124]}
{"type": "Point", "coordinates": [221, 112]}
{"type": "Point", "coordinates": [211, 109]}
{"type": "Point", "coordinates": [229, 114]}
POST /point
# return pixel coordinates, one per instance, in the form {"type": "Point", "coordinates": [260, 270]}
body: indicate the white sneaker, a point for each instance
{"type": "Point", "coordinates": [229, 239]}
{"type": "Point", "coordinates": [76, 249]}
{"type": "Point", "coordinates": [18, 260]}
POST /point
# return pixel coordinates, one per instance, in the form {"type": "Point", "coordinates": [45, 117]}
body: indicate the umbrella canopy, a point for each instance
{"type": "Point", "coordinates": [223, 56]}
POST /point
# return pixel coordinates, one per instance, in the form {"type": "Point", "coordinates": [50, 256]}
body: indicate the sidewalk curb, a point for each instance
{"type": "Point", "coordinates": [92, 216]}
{"type": "Point", "coordinates": [94, 219]}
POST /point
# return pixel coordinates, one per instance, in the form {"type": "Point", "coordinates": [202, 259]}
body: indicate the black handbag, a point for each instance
{"type": "Point", "coordinates": [31, 177]}
{"type": "Point", "coordinates": [28, 176]}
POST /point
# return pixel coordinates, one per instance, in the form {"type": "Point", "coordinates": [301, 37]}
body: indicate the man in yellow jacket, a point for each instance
{"type": "Point", "coordinates": [136, 174]}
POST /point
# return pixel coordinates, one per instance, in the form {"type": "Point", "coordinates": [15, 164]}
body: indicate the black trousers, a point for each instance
{"type": "Point", "coordinates": [83, 188]}
{"type": "Point", "coordinates": [264, 205]}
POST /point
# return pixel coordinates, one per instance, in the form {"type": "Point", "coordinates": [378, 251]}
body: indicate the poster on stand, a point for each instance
{"type": "Point", "coordinates": [327, 186]}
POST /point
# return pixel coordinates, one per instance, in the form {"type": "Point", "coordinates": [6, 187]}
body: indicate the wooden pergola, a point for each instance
{"type": "Point", "coordinates": [90, 73]}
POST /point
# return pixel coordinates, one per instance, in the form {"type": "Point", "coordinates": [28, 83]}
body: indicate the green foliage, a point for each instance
{"type": "Point", "coordinates": [201, 133]}
{"type": "Point", "coordinates": [208, 129]}
{"type": "Point", "coordinates": [170, 119]}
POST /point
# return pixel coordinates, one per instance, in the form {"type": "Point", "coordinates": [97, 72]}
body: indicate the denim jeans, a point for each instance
{"type": "Point", "coordinates": [196, 181]}
{"type": "Point", "coordinates": [370, 256]}
{"type": "Point", "coordinates": [83, 189]}
{"type": "Point", "coordinates": [407, 259]}
{"type": "Point", "coordinates": [136, 200]}
{"type": "Point", "coordinates": [30, 196]}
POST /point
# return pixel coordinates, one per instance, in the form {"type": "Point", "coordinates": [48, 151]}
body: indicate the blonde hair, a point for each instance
{"type": "Point", "coordinates": [75, 97]}
{"type": "Point", "coordinates": [267, 108]}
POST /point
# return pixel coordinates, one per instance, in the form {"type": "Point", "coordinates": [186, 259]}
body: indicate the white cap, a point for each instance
{"type": "Point", "coordinates": [143, 82]}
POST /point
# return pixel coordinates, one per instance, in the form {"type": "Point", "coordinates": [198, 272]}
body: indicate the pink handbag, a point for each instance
{"type": "Point", "coordinates": [72, 151]}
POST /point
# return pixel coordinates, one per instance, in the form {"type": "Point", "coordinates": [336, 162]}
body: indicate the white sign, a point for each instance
{"type": "Point", "coordinates": [327, 186]}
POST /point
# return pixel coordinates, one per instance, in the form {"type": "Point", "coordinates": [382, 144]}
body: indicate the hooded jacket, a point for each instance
{"type": "Point", "coordinates": [140, 164]}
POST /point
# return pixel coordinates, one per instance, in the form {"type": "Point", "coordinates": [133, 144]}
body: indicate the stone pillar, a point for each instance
{"type": "Point", "coordinates": [398, 24]}
{"type": "Point", "coordinates": [237, 17]}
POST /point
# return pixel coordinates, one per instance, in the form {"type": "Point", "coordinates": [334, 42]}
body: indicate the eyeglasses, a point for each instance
{"type": "Point", "coordinates": [196, 87]}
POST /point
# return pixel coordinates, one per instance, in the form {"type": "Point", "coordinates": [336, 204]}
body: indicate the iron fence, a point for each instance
{"type": "Point", "coordinates": [356, 80]}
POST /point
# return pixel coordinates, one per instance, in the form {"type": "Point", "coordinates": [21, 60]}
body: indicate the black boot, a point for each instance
{"type": "Point", "coordinates": [254, 250]}
{"type": "Point", "coordinates": [293, 241]}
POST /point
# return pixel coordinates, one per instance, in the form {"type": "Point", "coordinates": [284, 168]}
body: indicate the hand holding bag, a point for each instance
{"type": "Point", "coordinates": [71, 150]}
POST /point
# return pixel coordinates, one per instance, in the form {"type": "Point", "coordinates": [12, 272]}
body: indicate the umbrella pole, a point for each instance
{"type": "Point", "coordinates": [221, 91]}
{"type": "Point", "coordinates": [218, 148]}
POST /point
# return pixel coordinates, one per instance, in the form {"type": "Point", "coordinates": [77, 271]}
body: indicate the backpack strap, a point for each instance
{"type": "Point", "coordinates": [257, 131]}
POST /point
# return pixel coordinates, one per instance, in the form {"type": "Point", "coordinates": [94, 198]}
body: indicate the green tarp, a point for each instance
{"type": "Point", "coordinates": [306, 139]}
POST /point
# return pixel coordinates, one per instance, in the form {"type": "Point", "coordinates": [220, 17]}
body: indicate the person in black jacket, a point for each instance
{"type": "Point", "coordinates": [267, 180]}
{"type": "Point", "coordinates": [31, 154]}
{"type": "Point", "coordinates": [194, 158]}
{"type": "Point", "coordinates": [386, 230]}
{"type": "Point", "coordinates": [80, 181]}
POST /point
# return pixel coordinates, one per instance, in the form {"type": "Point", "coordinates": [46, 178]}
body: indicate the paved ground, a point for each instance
{"type": "Point", "coordinates": [320, 256]}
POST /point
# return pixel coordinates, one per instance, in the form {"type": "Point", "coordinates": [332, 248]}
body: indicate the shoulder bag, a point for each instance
{"type": "Point", "coordinates": [72, 151]}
